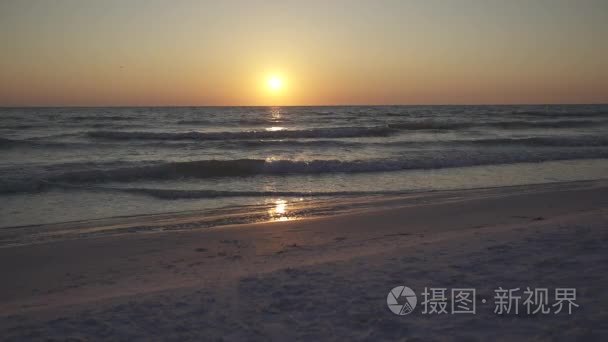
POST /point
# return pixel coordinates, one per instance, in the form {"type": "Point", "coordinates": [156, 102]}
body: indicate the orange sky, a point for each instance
{"type": "Point", "coordinates": [113, 53]}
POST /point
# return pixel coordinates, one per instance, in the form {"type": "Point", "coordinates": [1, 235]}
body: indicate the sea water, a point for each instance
{"type": "Point", "coordinates": [65, 164]}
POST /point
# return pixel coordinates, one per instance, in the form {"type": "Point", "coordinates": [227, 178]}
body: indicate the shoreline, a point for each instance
{"type": "Point", "coordinates": [250, 214]}
{"type": "Point", "coordinates": [93, 202]}
{"type": "Point", "coordinates": [96, 287]}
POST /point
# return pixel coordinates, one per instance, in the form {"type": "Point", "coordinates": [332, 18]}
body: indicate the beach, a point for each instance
{"type": "Point", "coordinates": [324, 278]}
{"type": "Point", "coordinates": [303, 170]}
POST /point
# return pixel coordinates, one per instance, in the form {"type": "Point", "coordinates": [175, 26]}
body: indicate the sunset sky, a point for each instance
{"type": "Point", "coordinates": [147, 52]}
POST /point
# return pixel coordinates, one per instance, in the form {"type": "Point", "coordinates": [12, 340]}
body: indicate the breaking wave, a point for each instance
{"type": "Point", "coordinates": [338, 132]}
{"type": "Point", "coordinates": [530, 141]}
{"type": "Point", "coordinates": [202, 194]}
{"type": "Point", "coordinates": [513, 124]}
{"type": "Point", "coordinates": [556, 141]}
{"type": "Point", "coordinates": [205, 169]}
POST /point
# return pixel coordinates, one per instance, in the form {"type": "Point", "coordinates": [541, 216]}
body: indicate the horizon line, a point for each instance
{"type": "Point", "coordinates": [326, 105]}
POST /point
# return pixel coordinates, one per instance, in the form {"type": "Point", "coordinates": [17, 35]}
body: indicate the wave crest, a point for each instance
{"type": "Point", "coordinates": [206, 169]}
{"type": "Point", "coordinates": [337, 132]}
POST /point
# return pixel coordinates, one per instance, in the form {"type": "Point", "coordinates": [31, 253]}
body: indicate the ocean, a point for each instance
{"type": "Point", "coordinates": [69, 164]}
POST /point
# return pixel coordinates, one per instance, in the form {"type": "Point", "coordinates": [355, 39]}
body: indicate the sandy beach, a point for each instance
{"type": "Point", "coordinates": [370, 170]}
{"type": "Point", "coordinates": [323, 278]}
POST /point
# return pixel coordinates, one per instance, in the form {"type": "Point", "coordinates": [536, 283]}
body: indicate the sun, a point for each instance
{"type": "Point", "coordinates": [275, 83]}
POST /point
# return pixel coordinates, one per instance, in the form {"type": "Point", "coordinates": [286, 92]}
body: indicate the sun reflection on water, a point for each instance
{"type": "Point", "coordinates": [275, 114]}
{"type": "Point", "coordinates": [275, 128]}
{"type": "Point", "coordinates": [279, 211]}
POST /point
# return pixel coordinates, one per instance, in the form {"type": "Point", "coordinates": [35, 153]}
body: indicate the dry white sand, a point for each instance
{"type": "Point", "coordinates": [325, 278]}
